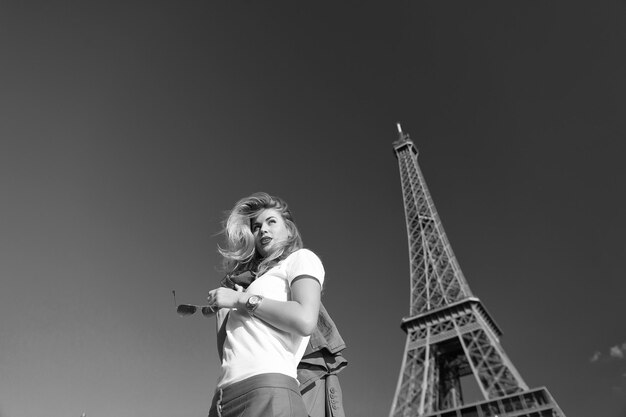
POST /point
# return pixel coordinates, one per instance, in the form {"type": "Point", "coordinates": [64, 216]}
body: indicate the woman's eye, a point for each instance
{"type": "Point", "coordinates": [255, 228]}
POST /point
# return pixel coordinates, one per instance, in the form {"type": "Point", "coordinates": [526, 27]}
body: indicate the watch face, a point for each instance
{"type": "Point", "coordinates": [253, 301]}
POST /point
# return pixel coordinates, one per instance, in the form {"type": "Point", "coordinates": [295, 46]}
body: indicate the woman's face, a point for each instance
{"type": "Point", "coordinates": [269, 229]}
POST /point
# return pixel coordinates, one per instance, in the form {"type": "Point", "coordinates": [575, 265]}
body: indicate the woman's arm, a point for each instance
{"type": "Point", "coordinates": [296, 316]}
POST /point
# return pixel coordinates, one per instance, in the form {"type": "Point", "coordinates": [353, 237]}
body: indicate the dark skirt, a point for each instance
{"type": "Point", "coordinates": [265, 395]}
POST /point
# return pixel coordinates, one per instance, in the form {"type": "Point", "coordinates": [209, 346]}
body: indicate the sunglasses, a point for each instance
{"type": "Point", "coordinates": [190, 309]}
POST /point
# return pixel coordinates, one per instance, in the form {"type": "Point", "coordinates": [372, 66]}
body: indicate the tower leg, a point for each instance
{"type": "Point", "coordinates": [415, 393]}
{"type": "Point", "coordinates": [495, 373]}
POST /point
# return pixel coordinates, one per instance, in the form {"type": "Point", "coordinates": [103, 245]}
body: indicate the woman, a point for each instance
{"type": "Point", "coordinates": [266, 328]}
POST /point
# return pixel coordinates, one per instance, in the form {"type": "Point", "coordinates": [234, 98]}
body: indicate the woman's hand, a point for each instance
{"type": "Point", "coordinates": [226, 298]}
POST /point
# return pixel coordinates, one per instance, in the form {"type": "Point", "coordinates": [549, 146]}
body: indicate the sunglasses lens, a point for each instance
{"type": "Point", "coordinates": [185, 309]}
{"type": "Point", "coordinates": [208, 311]}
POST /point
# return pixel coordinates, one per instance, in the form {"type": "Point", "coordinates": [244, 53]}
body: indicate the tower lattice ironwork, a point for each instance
{"type": "Point", "coordinates": [452, 341]}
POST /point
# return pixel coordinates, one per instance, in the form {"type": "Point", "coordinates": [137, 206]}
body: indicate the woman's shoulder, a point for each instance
{"type": "Point", "coordinates": [303, 253]}
{"type": "Point", "coordinates": [304, 262]}
{"type": "Point", "coordinates": [304, 257]}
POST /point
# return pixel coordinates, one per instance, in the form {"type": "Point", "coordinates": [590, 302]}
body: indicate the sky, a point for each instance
{"type": "Point", "coordinates": [128, 129]}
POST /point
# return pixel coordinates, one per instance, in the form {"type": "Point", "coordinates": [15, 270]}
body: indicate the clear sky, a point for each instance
{"type": "Point", "coordinates": [128, 128]}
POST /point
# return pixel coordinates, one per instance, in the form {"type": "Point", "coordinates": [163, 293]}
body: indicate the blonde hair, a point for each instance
{"type": "Point", "coordinates": [240, 253]}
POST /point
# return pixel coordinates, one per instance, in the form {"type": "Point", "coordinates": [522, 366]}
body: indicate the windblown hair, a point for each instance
{"type": "Point", "coordinates": [240, 253]}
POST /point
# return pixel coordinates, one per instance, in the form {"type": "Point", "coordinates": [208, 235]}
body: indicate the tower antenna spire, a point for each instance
{"type": "Point", "coordinates": [401, 135]}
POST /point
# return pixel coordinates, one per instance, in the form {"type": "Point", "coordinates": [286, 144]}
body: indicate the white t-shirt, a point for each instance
{"type": "Point", "coordinates": [252, 346]}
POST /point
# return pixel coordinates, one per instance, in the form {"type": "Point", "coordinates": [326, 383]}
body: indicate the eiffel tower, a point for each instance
{"type": "Point", "coordinates": [452, 341]}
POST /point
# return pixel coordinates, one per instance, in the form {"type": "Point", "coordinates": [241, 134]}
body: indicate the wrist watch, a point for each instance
{"type": "Point", "coordinates": [253, 303]}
